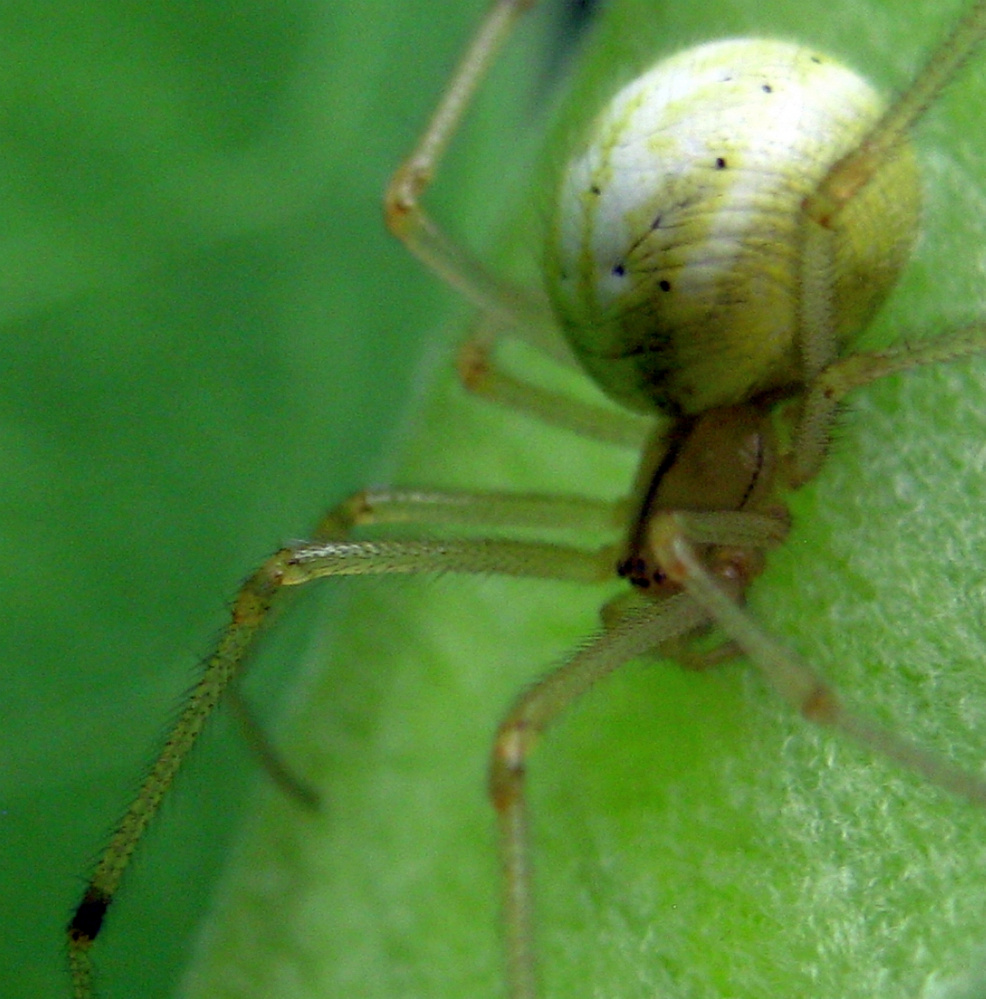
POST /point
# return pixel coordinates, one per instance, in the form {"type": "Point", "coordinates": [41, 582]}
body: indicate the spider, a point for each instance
{"type": "Point", "coordinates": [697, 556]}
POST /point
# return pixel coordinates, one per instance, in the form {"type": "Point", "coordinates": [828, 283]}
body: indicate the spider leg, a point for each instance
{"type": "Point", "coordinates": [847, 176]}
{"type": "Point", "coordinates": [482, 375]}
{"type": "Point", "coordinates": [511, 306]}
{"type": "Point", "coordinates": [637, 632]}
{"type": "Point", "coordinates": [827, 392]}
{"type": "Point", "coordinates": [823, 375]}
{"type": "Point", "coordinates": [804, 689]}
{"type": "Point", "coordinates": [422, 507]}
{"type": "Point", "coordinates": [374, 507]}
{"type": "Point", "coordinates": [263, 593]}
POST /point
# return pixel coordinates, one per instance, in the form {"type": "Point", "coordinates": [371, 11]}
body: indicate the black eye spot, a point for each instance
{"type": "Point", "coordinates": [619, 270]}
{"type": "Point", "coordinates": [664, 285]}
{"type": "Point", "coordinates": [816, 60]}
{"type": "Point", "coordinates": [595, 189]}
{"type": "Point", "coordinates": [767, 88]}
{"type": "Point", "coordinates": [720, 163]}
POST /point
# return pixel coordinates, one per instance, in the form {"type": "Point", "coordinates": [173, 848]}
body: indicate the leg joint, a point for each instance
{"type": "Point", "coordinates": [400, 202]}
{"type": "Point", "coordinates": [508, 766]}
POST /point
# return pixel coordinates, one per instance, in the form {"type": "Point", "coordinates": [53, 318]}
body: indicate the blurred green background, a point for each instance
{"type": "Point", "coordinates": [207, 336]}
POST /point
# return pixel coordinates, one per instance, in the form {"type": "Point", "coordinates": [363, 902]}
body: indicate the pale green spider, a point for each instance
{"type": "Point", "coordinates": [750, 531]}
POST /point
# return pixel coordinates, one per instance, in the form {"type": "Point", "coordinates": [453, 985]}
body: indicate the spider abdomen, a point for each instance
{"type": "Point", "coordinates": [674, 261]}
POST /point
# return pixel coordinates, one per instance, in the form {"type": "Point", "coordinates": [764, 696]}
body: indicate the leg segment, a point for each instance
{"type": "Point", "coordinates": [853, 171]}
{"type": "Point", "coordinates": [463, 509]}
{"type": "Point", "coordinates": [250, 609]}
{"type": "Point", "coordinates": [828, 390]}
{"type": "Point", "coordinates": [263, 592]}
{"type": "Point", "coordinates": [792, 678]}
{"type": "Point", "coordinates": [389, 506]}
{"type": "Point", "coordinates": [481, 375]}
{"type": "Point", "coordinates": [538, 559]}
{"type": "Point", "coordinates": [637, 632]}
{"type": "Point", "coordinates": [267, 754]}
{"type": "Point", "coordinates": [414, 227]}
{"type": "Point", "coordinates": [821, 210]}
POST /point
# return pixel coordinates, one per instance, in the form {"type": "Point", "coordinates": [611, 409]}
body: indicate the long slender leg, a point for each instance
{"type": "Point", "coordinates": [792, 678]}
{"type": "Point", "coordinates": [845, 178]}
{"type": "Point", "coordinates": [503, 305]}
{"type": "Point", "coordinates": [414, 227]}
{"type": "Point", "coordinates": [637, 632]}
{"type": "Point", "coordinates": [828, 390]}
{"type": "Point", "coordinates": [267, 755]}
{"type": "Point", "coordinates": [252, 609]}
{"type": "Point", "coordinates": [462, 509]}
{"type": "Point", "coordinates": [733, 528]}
{"type": "Point", "coordinates": [401, 506]}
{"type": "Point", "coordinates": [854, 170]}
{"type": "Point", "coordinates": [536, 559]}
{"type": "Point", "coordinates": [482, 375]}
